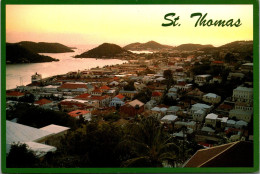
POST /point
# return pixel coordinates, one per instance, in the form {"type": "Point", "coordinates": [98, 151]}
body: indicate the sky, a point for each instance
{"type": "Point", "coordinates": [125, 24]}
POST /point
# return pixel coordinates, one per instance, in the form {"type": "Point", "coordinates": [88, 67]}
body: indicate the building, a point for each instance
{"type": "Point", "coordinates": [169, 118]}
{"type": "Point", "coordinates": [132, 108]}
{"type": "Point", "coordinates": [243, 94]}
{"type": "Point", "coordinates": [14, 94]}
{"type": "Point", "coordinates": [199, 111]}
{"type": "Point", "coordinates": [211, 119]}
{"type": "Point", "coordinates": [129, 94]}
{"type": "Point", "coordinates": [86, 115]}
{"type": "Point", "coordinates": [156, 96]}
{"type": "Point", "coordinates": [75, 87]}
{"type": "Point", "coordinates": [202, 79]}
{"type": "Point", "coordinates": [36, 77]}
{"type": "Point", "coordinates": [245, 115]}
{"type": "Point", "coordinates": [36, 139]}
{"type": "Point", "coordinates": [117, 101]}
{"type": "Point", "coordinates": [211, 98]}
{"type": "Point", "coordinates": [44, 103]}
{"type": "Point", "coordinates": [235, 154]}
{"type": "Point", "coordinates": [247, 67]}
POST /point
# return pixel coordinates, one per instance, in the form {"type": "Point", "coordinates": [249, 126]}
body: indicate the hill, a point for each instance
{"type": "Point", "coordinates": [191, 47]}
{"type": "Point", "coordinates": [151, 45]}
{"type": "Point", "coordinates": [44, 47]}
{"type": "Point", "coordinates": [106, 50]}
{"type": "Point", "coordinates": [18, 54]}
{"type": "Point", "coordinates": [238, 46]}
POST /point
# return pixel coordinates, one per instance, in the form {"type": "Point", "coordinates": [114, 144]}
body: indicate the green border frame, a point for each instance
{"type": "Point", "coordinates": [255, 4]}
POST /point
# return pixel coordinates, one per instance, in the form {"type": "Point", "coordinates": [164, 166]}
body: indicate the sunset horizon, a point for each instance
{"type": "Point", "coordinates": [97, 24]}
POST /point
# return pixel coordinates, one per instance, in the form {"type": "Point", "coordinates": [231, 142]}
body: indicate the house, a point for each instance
{"type": "Point", "coordinates": [96, 92]}
{"type": "Point", "coordinates": [156, 96]}
{"type": "Point", "coordinates": [173, 109]}
{"type": "Point", "coordinates": [68, 105]}
{"type": "Point", "coordinates": [211, 98]}
{"type": "Point", "coordinates": [211, 119]}
{"type": "Point", "coordinates": [129, 94]}
{"type": "Point", "coordinates": [196, 93]}
{"type": "Point", "coordinates": [169, 118]}
{"type": "Point", "coordinates": [235, 154]}
{"type": "Point", "coordinates": [150, 104]}
{"type": "Point", "coordinates": [239, 114]}
{"type": "Point", "coordinates": [199, 115]}
{"type": "Point", "coordinates": [216, 79]}
{"type": "Point", "coordinates": [81, 113]}
{"type": "Point", "coordinates": [202, 79]}
{"type": "Point", "coordinates": [102, 101]}
{"type": "Point", "coordinates": [132, 108]}
{"type": "Point", "coordinates": [14, 94]}
{"type": "Point", "coordinates": [104, 88]}
{"type": "Point", "coordinates": [247, 67]}
{"type": "Point", "coordinates": [199, 111]}
{"type": "Point", "coordinates": [189, 124]}
{"type": "Point", "coordinates": [84, 96]}
{"type": "Point", "coordinates": [183, 86]}
{"type": "Point", "coordinates": [75, 87]}
{"type": "Point", "coordinates": [117, 101]}
{"type": "Point", "coordinates": [44, 103]}
{"type": "Point", "coordinates": [243, 94]}
{"type": "Point", "coordinates": [234, 76]}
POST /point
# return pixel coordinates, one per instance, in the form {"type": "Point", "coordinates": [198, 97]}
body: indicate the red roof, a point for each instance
{"type": "Point", "coordinates": [73, 86]}
{"type": "Point", "coordinates": [98, 97]}
{"type": "Point", "coordinates": [78, 113]}
{"type": "Point", "coordinates": [43, 102]}
{"type": "Point", "coordinates": [97, 90]}
{"type": "Point", "coordinates": [156, 94]}
{"type": "Point", "coordinates": [120, 96]}
{"type": "Point", "coordinates": [182, 83]}
{"type": "Point", "coordinates": [218, 62]}
{"type": "Point", "coordinates": [14, 93]}
{"type": "Point", "coordinates": [105, 87]}
{"type": "Point", "coordinates": [116, 78]}
{"type": "Point", "coordinates": [83, 96]}
{"type": "Point", "coordinates": [225, 106]}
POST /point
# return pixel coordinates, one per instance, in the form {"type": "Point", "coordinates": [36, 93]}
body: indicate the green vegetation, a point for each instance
{"type": "Point", "coordinates": [106, 50]}
{"type": "Point", "coordinates": [140, 144]}
{"type": "Point", "coordinates": [18, 54]}
{"type": "Point", "coordinates": [37, 117]}
{"type": "Point", "coordinates": [190, 47]}
{"type": "Point", "coordinates": [20, 157]}
{"type": "Point", "coordinates": [151, 45]}
{"type": "Point", "coordinates": [44, 47]}
{"type": "Point", "coordinates": [144, 95]}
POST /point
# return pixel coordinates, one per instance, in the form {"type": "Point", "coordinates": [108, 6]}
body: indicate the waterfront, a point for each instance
{"type": "Point", "coordinates": [20, 74]}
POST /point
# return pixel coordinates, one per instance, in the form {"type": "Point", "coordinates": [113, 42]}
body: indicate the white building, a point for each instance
{"type": "Point", "coordinates": [211, 98]}
{"type": "Point", "coordinates": [243, 94]}
{"type": "Point", "coordinates": [202, 79]}
{"type": "Point", "coordinates": [241, 114]}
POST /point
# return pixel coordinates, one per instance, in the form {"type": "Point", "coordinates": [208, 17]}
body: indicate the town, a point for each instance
{"type": "Point", "coordinates": [200, 98]}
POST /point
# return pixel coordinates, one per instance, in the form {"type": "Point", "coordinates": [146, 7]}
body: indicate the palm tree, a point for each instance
{"type": "Point", "coordinates": [148, 145]}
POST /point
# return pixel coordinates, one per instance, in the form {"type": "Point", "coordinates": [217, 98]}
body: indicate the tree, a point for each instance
{"type": "Point", "coordinates": [144, 95]}
{"type": "Point", "coordinates": [20, 157]}
{"type": "Point", "coordinates": [146, 144]}
{"type": "Point", "coordinates": [130, 86]}
{"type": "Point", "coordinates": [168, 75]}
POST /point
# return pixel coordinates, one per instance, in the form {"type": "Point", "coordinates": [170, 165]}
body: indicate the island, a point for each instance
{"type": "Point", "coordinates": [44, 47]}
{"type": "Point", "coordinates": [105, 51]}
{"type": "Point", "coordinates": [15, 53]}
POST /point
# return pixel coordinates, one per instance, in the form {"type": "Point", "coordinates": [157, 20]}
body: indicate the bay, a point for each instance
{"type": "Point", "coordinates": [20, 74]}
